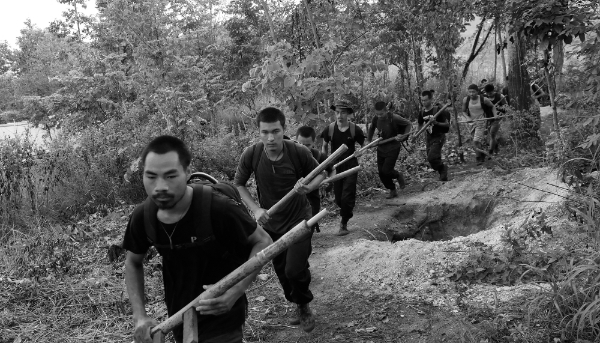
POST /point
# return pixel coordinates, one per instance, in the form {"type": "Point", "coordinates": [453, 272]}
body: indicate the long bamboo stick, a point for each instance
{"type": "Point", "coordinates": [334, 156]}
{"type": "Point", "coordinates": [429, 122]}
{"type": "Point", "coordinates": [243, 271]}
{"type": "Point", "coordinates": [373, 143]}
{"type": "Point", "coordinates": [484, 119]}
{"type": "Point", "coordinates": [341, 175]}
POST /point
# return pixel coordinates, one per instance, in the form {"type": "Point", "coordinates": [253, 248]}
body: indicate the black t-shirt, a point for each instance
{"type": "Point", "coordinates": [275, 179]}
{"type": "Point", "coordinates": [345, 137]}
{"type": "Point", "coordinates": [185, 271]}
{"type": "Point", "coordinates": [389, 126]}
{"type": "Point", "coordinates": [497, 98]}
{"type": "Point", "coordinates": [444, 117]}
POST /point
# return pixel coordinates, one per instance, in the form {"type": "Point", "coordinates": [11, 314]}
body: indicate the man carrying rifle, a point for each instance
{"type": "Point", "coordinates": [169, 221]}
{"type": "Point", "coordinates": [436, 133]}
{"type": "Point", "coordinates": [279, 166]}
{"type": "Point", "coordinates": [389, 125]}
{"type": "Point", "coordinates": [343, 131]}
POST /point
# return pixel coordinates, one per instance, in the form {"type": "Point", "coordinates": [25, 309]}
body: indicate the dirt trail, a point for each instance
{"type": "Point", "coordinates": [368, 289]}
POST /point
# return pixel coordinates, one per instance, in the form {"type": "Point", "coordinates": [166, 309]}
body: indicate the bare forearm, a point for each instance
{"type": "Point", "coordinates": [134, 278]}
{"type": "Point", "coordinates": [325, 148]}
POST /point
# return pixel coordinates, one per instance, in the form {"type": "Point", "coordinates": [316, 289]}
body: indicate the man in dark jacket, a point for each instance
{"type": "Point", "coordinates": [389, 125]}
{"type": "Point", "coordinates": [436, 133]}
{"type": "Point", "coordinates": [494, 125]}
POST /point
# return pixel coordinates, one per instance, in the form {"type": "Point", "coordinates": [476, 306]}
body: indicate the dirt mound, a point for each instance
{"type": "Point", "coordinates": [470, 211]}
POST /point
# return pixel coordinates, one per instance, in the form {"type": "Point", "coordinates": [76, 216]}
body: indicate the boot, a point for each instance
{"type": "Point", "coordinates": [393, 194]}
{"type": "Point", "coordinates": [343, 231]}
{"type": "Point", "coordinates": [307, 319]}
{"type": "Point", "coordinates": [444, 173]}
{"type": "Point", "coordinates": [401, 181]}
{"type": "Point", "coordinates": [295, 320]}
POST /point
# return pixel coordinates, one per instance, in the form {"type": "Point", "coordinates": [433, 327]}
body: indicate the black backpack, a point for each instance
{"type": "Point", "coordinates": [204, 185]}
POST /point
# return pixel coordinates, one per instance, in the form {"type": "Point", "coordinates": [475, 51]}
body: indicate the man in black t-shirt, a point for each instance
{"type": "Point", "coordinates": [279, 166]}
{"type": "Point", "coordinates": [306, 136]}
{"type": "Point", "coordinates": [494, 125]}
{"type": "Point", "coordinates": [436, 133]}
{"type": "Point", "coordinates": [337, 133]}
{"type": "Point", "coordinates": [389, 125]}
{"type": "Point", "coordinates": [188, 265]}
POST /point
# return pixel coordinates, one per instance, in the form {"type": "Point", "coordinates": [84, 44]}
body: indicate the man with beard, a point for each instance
{"type": "Point", "coordinates": [195, 253]}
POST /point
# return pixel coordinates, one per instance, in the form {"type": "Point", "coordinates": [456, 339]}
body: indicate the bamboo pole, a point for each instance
{"type": "Point", "coordinates": [334, 156]}
{"type": "Point", "coordinates": [356, 152]}
{"type": "Point", "coordinates": [428, 123]}
{"type": "Point", "coordinates": [243, 271]}
{"type": "Point", "coordinates": [341, 175]}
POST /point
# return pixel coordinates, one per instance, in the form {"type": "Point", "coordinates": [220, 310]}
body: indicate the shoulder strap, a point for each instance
{"type": "Point", "coordinates": [202, 205]}
{"type": "Point", "coordinates": [352, 130]}
{"type": "Point", "coordinates": [293, 155]}
{"type": "Point", "coordinates": [150, 220]}
{"type": "Point", "coordinates": [331, 128]}
{"type": "Point", "coordinates": [256, 156]}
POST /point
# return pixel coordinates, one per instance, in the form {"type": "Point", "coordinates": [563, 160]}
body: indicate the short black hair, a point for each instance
{"type": "Point", "coordinates": [165, 144]}
{"type": "Point", "coordinates": [474, 87]}
{"type": "Point", "coordinates": [483, 80]}
{"type": "Point", "coordinates": [270, 115]}
{"type": "Point", "coordinates": [427, 94]}
{"type": "Point", "coordinates": [380, 105]}
{"type": "Point", "coordinates": [306, 131]}
{"type": "Point", "coordinates": [488, 88]}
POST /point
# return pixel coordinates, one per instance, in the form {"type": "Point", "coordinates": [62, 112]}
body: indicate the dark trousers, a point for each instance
{"type": "Point", "coordinates": [494, 128]}
{"type": "Point", "coordinates": [291, 267]}
{"type": "Point", "coordinates": [386, 162]}
{"type": "Point", "coordinates": [236, 336]}
{"type": "Point", "coordinates": [345, 191]}
{"type": "Point", "coordinates": [315, 205]}
{"type": "Point", "coordinates": [434, 146]}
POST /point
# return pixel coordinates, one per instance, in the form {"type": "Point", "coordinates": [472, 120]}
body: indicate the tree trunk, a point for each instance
{"type": "Point", "coordinates": [558, 57]}
{"type": "Point", "coordinates": [474, 49]}
{"type": "Point", "coordinates": [418, 60]}
{"type": "Point", "coordinates": [269, 20]}
{"type": "Point", "coordinates": [312, 24]}
{"type": "Point", "coordinates": [518, 78]}
{"type": "Point", "coordinates": [495, 50]}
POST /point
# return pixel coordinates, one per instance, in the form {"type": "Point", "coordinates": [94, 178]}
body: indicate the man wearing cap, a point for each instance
{"type": "Point", "coordinates": [343, 131]}
{"type": "Point", "coordinates": [389, 125]}
{"type": "Point", "coordinates": [475, 107]}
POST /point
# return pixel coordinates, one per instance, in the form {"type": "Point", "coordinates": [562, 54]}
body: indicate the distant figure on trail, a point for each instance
{"type": "Point", "coordinates": [506, 95]}
{"type": "Point", "coordinates": [477, 107]}
{"type": "Point", "coordinates": [169, 220]}
{"type": "Point", "coordinates": [482, 85]}
{"type": "Point", "coordinates": [389, 125]}
{"type": "Point", "coordinates": [436, 133]}
{"type": "Point", "coordinates": [343, 131]}
{"type": "Point", "coordinates": [494, 125]}
{"type": "Point", "coordinates": [278, 166]}
{"type": "Point", "coordinates": [307, 136]}
{"type": "Point", "coordinates": [538, 94]}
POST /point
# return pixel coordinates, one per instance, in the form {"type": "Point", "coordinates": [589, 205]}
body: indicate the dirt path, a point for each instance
{"type": "Point", "coordinates": [368, 289]}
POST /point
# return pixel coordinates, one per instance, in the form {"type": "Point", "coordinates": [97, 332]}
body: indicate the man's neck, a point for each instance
{"type": "Point", "coordinates": [179, 209]}
{"type": "Point", "coordinates": [274, 155]}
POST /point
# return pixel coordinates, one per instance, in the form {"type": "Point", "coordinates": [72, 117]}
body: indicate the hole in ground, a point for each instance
{"type": "Point", "coordinates": [436, 222]}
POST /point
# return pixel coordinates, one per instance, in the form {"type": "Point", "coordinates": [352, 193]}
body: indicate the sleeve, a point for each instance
{"type": "Point", "coordinates": [402, 124]}
{"type": "Point", "coordinates": [306, 158]}
{"type": "Point", "coordinates": [325, 134]}
{"type": "Point", "coordinates": [135, 239]}
{"type": "Point", "coordinates": [233, 225]}
{"type": "Point", "coordinates": [372, 129]}
{"type": "Point", "coordinates": [244, 168]}
{"type": "Point", "coordinates": [359, 136]}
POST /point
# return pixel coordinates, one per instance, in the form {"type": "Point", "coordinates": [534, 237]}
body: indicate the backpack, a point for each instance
{"type": "Point", "coordinates": [487, 110]}
{"type": "Point", "coordinates": [291, 145]}
{"type": "Point", "coordinates": [202, 200]}
{"type": "Point", "coordinates": [352, 129]}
